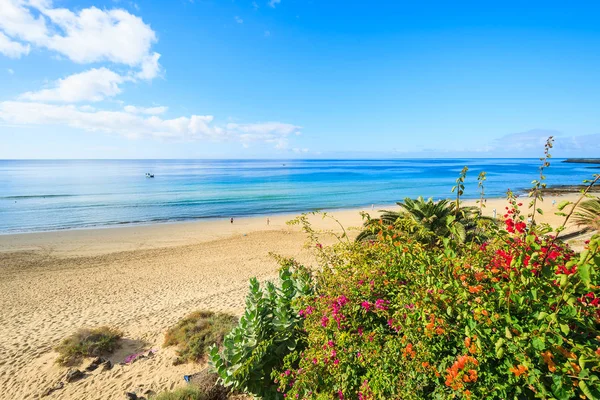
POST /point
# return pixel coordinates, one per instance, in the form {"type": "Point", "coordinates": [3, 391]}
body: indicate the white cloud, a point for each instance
{"type": "Point", "coordinates": [238, 20]}
{"type": "Point", "coordinates": [264, 128]}
{"type": "Point", "coordinates": [10, 71]}
{"type": "Point", "coordinates": [11, 48]}
{"type": "Point", "coordinates": [255, 5]}
{"type": "Point", "coordinates": [150, 67]}
{"type": "Point", "coordinates": [93, 85]}
{"type": "Point", "coordinates": [146, 110]}
{"type": "Point", "coordinates": [134, 125]}
{"type": "Point", "coordinates": [87, 36]}
{"type": "Point", "coordinates": [273, 3]}
{"type": "Point", "coordinates": [532, 141]}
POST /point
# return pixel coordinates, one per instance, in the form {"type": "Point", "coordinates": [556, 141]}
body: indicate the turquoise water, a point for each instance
{"type": "Point", "coordinates": [50, 195]}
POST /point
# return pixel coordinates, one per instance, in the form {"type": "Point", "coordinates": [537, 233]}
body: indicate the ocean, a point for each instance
{"type": "Point", "coordinates": [41, 195]}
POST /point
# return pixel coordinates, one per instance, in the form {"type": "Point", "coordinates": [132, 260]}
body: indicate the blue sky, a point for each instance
{"type": "Point", "coordinates": [293, 78]}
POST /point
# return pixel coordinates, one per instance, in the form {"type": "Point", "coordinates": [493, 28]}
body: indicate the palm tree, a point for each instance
{"type": "Point", "coordinates": [429, 221]}
{"type": "Point", "coordinates": [588, 214]}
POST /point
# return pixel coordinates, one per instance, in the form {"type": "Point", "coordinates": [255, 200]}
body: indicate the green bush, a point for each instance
{"type": "Point", "coordinates": [88, 343]}
{"type": "Point", "coordinates": [194, 334]}
{"type": "Point", "coordinates": [269, 330]}
{"type": "Point", "coordinates": [183, 393]}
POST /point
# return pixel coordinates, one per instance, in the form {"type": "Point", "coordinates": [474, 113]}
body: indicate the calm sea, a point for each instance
{"type": "Point", "coordinates": [50, 195]}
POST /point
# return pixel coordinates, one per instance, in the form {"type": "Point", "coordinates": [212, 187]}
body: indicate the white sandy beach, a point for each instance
{"type": "Point", "coordinates": [140, 279]}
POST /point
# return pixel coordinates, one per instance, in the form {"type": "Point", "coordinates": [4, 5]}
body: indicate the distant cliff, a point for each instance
{"type": "Point", "coordinates": [583, 160]}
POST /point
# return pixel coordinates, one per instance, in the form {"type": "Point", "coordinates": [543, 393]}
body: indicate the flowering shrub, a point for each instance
{"type": "Point", "coordinates": [516, 317]}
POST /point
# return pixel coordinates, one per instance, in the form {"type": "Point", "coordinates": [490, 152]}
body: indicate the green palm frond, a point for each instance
{"type": "Point", "coordinates": [588, 214]}
{"type": "Point", "coordinates": [428, 221]}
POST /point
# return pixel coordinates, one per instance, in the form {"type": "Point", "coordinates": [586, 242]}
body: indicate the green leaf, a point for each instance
{"type": "Point", "coordinates": [540, 211]}
{"type": "Point", "coordinates": [499, 343]}
{"type": "Point", "coordinates": [500, 352]}
{"type": "Point", "coordinates": [563, 204]}
{"type": "Point", "coordinates": [584, 388]}
{"type": "Point", "coordinates": [584, 273]}
{"type": "Point", "coordinates": [538, 344]}
{"type": "Point", "coordinates": [565, 328]}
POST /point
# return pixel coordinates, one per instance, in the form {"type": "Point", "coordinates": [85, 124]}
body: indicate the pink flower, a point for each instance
{"type": "Point", "coordinates": [333, 353]}
{"type": "Point", "coordinates": [336, 361]}
{"type": "Point", "coordinates": [342, 300]}
{"type": "Point", "coordinates": [324, 321]}
{"type": "Point", "coordinates": [340, 395]}
{"type": "Point", "coordinates": [365, 304]}
{"type": "Point", "coordinates": [381, 304]}
{"type": "Point", "coordinates": [287, 372]}
{"type": "Point", "coordinates": [330, 343]}
{"type": "Point", "coordinates": [360, 331]}
{"type": "Point", "coordinates": [315, 361]}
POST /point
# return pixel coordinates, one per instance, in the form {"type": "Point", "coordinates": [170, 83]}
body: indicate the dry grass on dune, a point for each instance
{"type": "Point", "coordinates": [88, 343]}
{"type": "Point", "coordinates": [194, 334]}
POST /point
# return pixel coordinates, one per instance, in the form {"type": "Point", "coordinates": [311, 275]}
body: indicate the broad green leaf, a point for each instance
{"type": "Point", "coordinates": [538, 344]}
{"type": "Point", "coordinates": [584, 273]}
{"type": "Point", "coordinates": [584, 388]}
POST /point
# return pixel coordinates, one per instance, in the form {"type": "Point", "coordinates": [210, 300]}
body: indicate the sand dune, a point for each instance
{"type": "Point", "coordinates": [140, 279]}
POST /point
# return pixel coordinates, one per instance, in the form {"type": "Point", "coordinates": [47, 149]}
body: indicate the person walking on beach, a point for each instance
{"type": "Point", "coordinates": [231, 220]}
{"type": "Point", "coordinates": [268, 221]}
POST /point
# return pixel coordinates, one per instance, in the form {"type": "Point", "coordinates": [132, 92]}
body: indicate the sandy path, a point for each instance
{"type": "Point", "coordinates": [139, 279]}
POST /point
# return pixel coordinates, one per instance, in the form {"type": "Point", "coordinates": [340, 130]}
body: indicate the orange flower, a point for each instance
{"type": "Point", "coordinates": [479, 276]}
{"type": "Point", "coordinates": [456, 374]}
{"type": "Point", "coordinates": [485, 312]}
{"type": "Point", "coordinates": [408, 351]}
{"type": "Point", "coordinates": [467, 342]}
{"type": "Point", "coordinates": [547, 356]}
{"type": "Point", "coordinates": [565, 353]}
{"type": "Point", "coordinates": [518, 370]}
{"type": "Point", "coordinates": [576, 367]}
{"type": "Point", "coordinates": [425, 364]}
{"type": "Point", "coordinates": [475, 289]}
{"type": "Point", "coordinates": [473, 349]}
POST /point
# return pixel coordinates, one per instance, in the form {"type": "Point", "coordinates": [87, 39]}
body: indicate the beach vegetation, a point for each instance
{"type": "Point", "coordinates": [195, 333]}
{"type": "Point", "coordinates": [516, 316]}
{"type": "Point", "coordinates": [269, 330]}
{"type": "Point", "coordinates": [188, 392]}
{"type": "Point", "coordinates": [588, 214]}
{"type": "Point", "coordinates": [94, 342]}
{"type": "Point", "coordinates": [430, 222]}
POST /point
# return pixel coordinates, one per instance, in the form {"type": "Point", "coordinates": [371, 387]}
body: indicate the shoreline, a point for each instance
{"type": "Point", "coordinates": [126, 237]}
{"type": "Point", "coordinates": [554, 191]}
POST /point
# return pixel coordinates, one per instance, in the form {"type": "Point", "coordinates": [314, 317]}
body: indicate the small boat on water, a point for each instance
{"type": "Point", "coordinates": [149, 175]}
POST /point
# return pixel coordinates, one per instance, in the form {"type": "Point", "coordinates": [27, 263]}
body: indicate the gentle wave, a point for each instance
{"type": "Point", "coordinates": [37, 196]}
